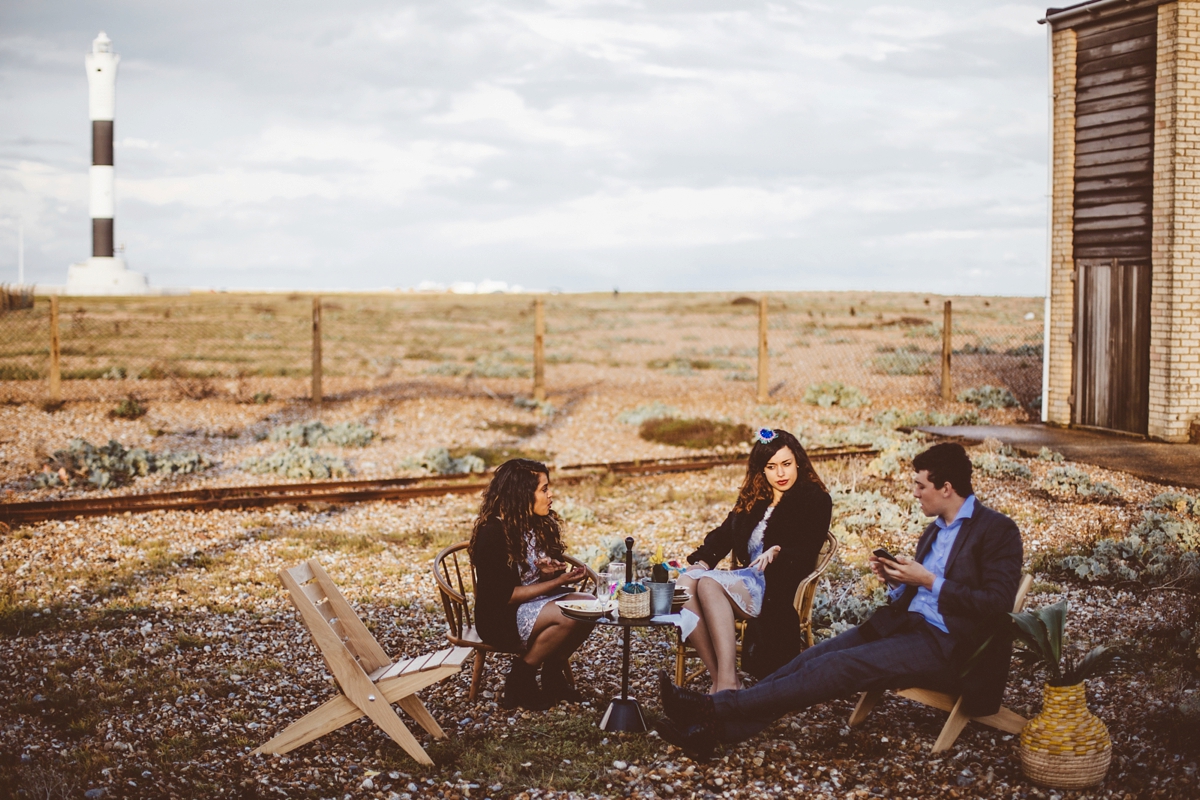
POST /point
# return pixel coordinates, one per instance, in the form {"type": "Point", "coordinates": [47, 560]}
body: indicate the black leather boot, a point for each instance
{"type": "Point", "coordinates": [556, 686]}
{"type": "Point", "coordinates": [698, 741]}
{"type": "Point", "coordinates": [684, 706]}
{"type": "Point", "coordinates": [521, 688]}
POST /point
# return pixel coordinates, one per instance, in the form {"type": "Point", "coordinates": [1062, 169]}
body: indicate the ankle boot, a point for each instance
{"type": "Point", "coordinates": [698, 741]}
{"type": "Point", "coordinates": [556, 686]}
{"type": "Point", "coordinates": [521, 688]}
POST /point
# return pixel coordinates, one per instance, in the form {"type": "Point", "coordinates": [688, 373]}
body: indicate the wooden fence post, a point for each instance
{"type": "Point", "coordinates": [947, 326]}
{"type": "Point", "coordinates": [316, 353]}
{"type": "Point", "coordinates": [763, 377]}
{"type": "Point", "coordinates": [55, 374]}
{"type": "Point", "coordinates": [539, 350]}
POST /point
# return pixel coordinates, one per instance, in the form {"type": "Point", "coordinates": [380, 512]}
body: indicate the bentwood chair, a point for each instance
{"type": "Point", "coordinates": [803, 601]}
{"type": "Point", "coordinates": [455, 576]}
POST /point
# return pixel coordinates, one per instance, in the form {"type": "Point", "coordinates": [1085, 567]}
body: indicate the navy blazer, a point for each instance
{"type": "Point", "coordinates": [983, 572]}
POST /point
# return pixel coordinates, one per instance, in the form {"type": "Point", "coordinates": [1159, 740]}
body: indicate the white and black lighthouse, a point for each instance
{"type": "Point", "coordinates": [104, 272]}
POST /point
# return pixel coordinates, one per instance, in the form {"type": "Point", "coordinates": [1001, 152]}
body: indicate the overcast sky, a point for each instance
{"type": "Point", "coordinates": [691, 144]}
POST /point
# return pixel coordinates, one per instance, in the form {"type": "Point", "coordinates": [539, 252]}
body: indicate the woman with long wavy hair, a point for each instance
{"type": "Point", "coordinates": [516, 549]}
{"type": "Point", "coordinates": [775, 532]}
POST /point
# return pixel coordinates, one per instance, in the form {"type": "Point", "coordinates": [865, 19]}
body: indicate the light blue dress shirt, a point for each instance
{"type": "Point", "coordinates": [926, 601]}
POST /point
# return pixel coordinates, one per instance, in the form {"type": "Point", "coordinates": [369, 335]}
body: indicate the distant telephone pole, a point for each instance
{"type": "Point", "coordinates": [21, 253]}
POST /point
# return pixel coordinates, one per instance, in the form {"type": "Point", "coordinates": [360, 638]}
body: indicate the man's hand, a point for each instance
{"type": "Point", "coordinates": [876, 565]}
{"type": "Point", "coordinates": [907, 571]}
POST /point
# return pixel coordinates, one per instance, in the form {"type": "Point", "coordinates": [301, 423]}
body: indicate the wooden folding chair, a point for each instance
{"type": "Point", "coordinates": [803, 601]}
{"type": "Point", "coordinates": [449, 568]}
{"type": "Point", "coordinates": [1005, 719]}
{"type": "Point", "coordinates": [370, 681]}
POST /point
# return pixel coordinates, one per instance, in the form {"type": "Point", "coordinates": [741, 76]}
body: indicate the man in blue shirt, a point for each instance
{"type": "Point", "coordinates": [945, 604]}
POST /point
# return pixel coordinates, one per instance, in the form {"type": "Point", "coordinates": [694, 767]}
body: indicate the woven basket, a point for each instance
{"type": "Point", "coordinates": [1065, 746]}
{"type": "Point", "coordinates": [633, 606]}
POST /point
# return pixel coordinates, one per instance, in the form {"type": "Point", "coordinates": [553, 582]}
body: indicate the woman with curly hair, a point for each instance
{"type": "Point", "coordinates": [516, 549]}
{"type": "Point", "coordinates": [775, 531]}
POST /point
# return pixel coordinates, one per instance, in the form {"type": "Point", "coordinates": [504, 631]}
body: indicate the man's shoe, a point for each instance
{"type": "Point", "coordinates": [698, 741]}
{"type": "Point", "coordinates": [683, 705]}
{"type": "Point", "coordinates": [556, 687]}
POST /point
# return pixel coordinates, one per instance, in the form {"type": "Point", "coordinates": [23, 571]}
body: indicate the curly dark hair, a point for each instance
{"type": "Point", "coordinates": [509, 498]}
{"type": "Point", "coordinates": [947, 462]}
{"type": "Point", "coordinates": [756, 487]}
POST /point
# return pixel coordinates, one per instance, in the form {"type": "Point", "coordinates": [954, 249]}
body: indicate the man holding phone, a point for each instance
{"type": "Point", "coordinates": [944, 605]}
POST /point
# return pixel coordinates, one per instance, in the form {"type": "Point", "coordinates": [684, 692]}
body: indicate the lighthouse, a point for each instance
{"type": "Point", "coordinates": [104, 272]}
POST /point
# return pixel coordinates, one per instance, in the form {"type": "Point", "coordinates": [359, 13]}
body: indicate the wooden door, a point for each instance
{"type": "Point", "coordinates": [1112, 345]}
{"type": "Point", "coordinates": [1114, 169]}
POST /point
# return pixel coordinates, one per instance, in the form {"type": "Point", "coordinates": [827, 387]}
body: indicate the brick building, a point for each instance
{"type": "Point", "coordinates": [1123, 329]}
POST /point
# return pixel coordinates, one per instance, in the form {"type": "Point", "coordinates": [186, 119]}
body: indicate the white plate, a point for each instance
{"type": "Point", "coordinates": [586, 608]}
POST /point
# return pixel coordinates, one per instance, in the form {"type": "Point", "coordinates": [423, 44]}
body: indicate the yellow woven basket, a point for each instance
{"type": "Point", "coordinates": [1066, 746]}
{"type": "Point", "coordinates": [633, 606]}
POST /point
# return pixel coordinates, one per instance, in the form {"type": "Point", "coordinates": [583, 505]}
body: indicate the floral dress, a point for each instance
{"type": "Point", "coordinates": [744, 586]}
{"type": "Point", "coordinates": [527, 612]}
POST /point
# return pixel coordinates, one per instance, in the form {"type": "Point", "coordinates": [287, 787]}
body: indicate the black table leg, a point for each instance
{"type": "Point", "coordinates": [623, 713]}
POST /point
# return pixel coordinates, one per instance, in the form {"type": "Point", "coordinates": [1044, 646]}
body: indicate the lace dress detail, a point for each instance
{"type": "Point", "coordinates": [744, 586]}
{"type": "Point", "coordinates": [527, 613]}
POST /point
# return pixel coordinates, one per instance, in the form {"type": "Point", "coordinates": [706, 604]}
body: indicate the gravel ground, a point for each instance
{"type": "Point", "coordinates": [146, 656]}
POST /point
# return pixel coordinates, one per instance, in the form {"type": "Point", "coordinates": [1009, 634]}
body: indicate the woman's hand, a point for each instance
{"type": "Point", "coordinates": [549, 568]}
{"type": "Point", "coordinates": [765, 558]}
{"type": "Point", "coordinates": [569, 577]}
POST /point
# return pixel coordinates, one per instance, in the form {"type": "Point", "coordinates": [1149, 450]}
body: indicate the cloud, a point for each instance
{"type": "Point", "coordinates": [871, 143]}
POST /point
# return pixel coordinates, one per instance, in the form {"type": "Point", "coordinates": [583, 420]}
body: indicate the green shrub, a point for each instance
{"type": "Point", "coordinates": [835, 393]}
{"type": "Point", "coordinates": [18, 372]}
{"type": "Point", "coordinates": [1179, 503]}
{"type": "Point", "coordinates": [1046, 454]}
{"type": "Point", "coordinates": [309, 434]}
{"type": "Point", "coordinates": [655, 410]}
{"type": "Point", "coordinates": [987, 397]}
{"type": "Point", "coordinates": [895, 418]}
{"type": "Point", "coordinates": [296, 461]}
{"type": "Point", "coordinates": [902, 363]}
{"type": "Point", "coordinates": [839, 610]}
{"type": "Point", "coordinates": [1158, 549]}
{"type": "Point", "coordinates": [694, 433]}
{"type": "Point", "coordinates": [1000, 464]}
{"type": "Point", "coordinates": [1069, 480]}
{"type": "Point", "coordinates": [129, 408]}
{"type": "Point", "coordinates": [112, 465]}
{"type": "Point", "coordinates": [450, 369]}
{"type": "Point", "coordinates": [438, 461]}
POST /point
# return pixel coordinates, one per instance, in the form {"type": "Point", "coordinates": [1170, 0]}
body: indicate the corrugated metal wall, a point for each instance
{"type": "Point", "coordinates": [1114, 170]}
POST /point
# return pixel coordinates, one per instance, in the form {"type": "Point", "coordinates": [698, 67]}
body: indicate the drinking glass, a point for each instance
{"type": "Point", "coordinates": [604, 590]}
{"type": "Point", "coordinates": [616, 575]}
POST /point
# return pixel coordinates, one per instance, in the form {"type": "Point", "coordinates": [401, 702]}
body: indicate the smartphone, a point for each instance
{"type": "Point", "coordinates": [881, 552]}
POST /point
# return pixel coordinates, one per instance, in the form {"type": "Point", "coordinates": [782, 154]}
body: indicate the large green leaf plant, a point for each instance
{"type": "Point", "coordinates": [1042, 632]}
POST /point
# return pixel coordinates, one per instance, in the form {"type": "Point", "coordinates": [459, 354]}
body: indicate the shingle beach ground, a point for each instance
{"type": "Point", "coordinates": [145, 656]}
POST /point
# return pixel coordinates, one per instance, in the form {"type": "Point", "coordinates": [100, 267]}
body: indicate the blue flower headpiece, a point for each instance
{"type": "Point", "coordinates": [765, 436]}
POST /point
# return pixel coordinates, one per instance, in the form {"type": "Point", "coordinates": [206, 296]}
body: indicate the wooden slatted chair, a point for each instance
{"type": "Point", "coordinates": [806, 594]}
{"type": "Point", "coordinates": [1005, 719]}
{"type": "Point", "coordinates": [451, 569]}
{"type": "Point", "coordinates": [370, 681]}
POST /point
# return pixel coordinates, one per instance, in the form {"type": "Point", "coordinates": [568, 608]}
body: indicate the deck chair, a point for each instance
{"type": "Point", "coordinates": [1005, 719]}
{"type": "Point", "coordinates": [805, 595]}
{"type": "Point", "coordinates": [449, 568]}
{"type": "Point", "coordinates": [370, 681]}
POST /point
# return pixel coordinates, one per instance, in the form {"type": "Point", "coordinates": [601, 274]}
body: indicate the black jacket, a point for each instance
{"type": "Point", "coordinates": [798, 525]}
{"type": "Point", "coordinates": [495, 616]}
{"type": "Point", "coordinates": [983, 572]}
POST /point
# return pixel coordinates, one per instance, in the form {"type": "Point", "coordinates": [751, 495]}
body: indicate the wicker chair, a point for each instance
{"type": "Point", "coordinates": [805, 594]}
{"type": "Point", "coordinates": [455, 576]}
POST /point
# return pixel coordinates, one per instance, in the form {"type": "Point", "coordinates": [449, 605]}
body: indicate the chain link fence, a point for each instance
{"type": "Point", "coordinates": [254, 346]}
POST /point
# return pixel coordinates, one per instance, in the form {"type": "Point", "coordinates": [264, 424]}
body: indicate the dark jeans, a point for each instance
{"type": "Point", "coordinates": [916, 655]}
